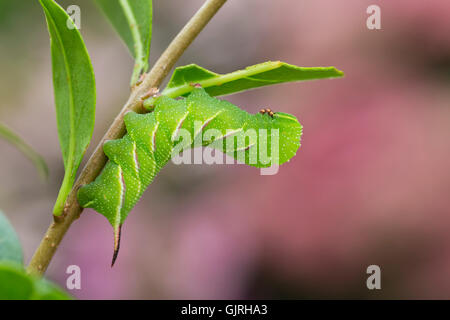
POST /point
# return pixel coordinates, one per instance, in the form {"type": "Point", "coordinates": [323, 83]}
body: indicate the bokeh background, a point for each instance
{"type": "Point", "coordinates": [370, 185]}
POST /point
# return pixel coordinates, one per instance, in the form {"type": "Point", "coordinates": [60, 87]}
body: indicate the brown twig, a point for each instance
{"type": "Point", "coordinates": [57, 230]}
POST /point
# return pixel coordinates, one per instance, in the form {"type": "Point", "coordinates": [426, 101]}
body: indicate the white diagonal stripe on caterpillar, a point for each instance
{"type": "Point", "coordinates": [179, 125]}
{"type": "Point", "coordinates": [153, 137]}
{"type": "Point", "coordinates": [137, 166]}
{"type": "Point", "coordinates": [207, 121]}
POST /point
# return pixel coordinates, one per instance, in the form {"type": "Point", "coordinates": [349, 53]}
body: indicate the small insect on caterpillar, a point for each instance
{"type": "Point", "coordinates": [152, 139]}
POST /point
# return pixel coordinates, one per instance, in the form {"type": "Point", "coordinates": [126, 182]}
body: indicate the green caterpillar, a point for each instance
{"type": "Point", "coordinates": [152, 139]}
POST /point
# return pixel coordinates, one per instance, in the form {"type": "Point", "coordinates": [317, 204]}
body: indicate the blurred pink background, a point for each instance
{"type": "Point", "coordinates": [370, 184]}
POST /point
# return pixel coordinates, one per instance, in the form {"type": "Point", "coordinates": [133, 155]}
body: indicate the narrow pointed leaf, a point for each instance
{"type": "Point", "coordinates": [260, 75]}
{"type": "Point", "coordinates": [10, 248]}
{"type": "Point", "coordinates": [74, 86]}
{"type": "Point", "coordinates": [132, 20]}
{"type": "Point", "coordinates": [26, 149]}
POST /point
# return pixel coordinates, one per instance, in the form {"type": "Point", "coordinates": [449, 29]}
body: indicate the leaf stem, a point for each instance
{"type": "Point", "coordinates": [64, 191]}
{"type": "Point", "coordinates": [140, 63]}
{"type": "Point", "coordinates": [57, 230]}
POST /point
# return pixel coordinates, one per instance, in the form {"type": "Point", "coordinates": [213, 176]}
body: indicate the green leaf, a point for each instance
{"type": "Point", "coordinates": [27, 150]}
{"type": "Point", "coordinates": [260, 75]}
{"type": "Point", "coordinates": [74, 86]}
{"type": "Point", "coordinates": [132, 19]}
{"type": "Point", "coordinates": [10, 248]}
{"type": "Point", "coordinates": [46, 290]}
{"type": "Point", "coordinates": [16, 284]}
